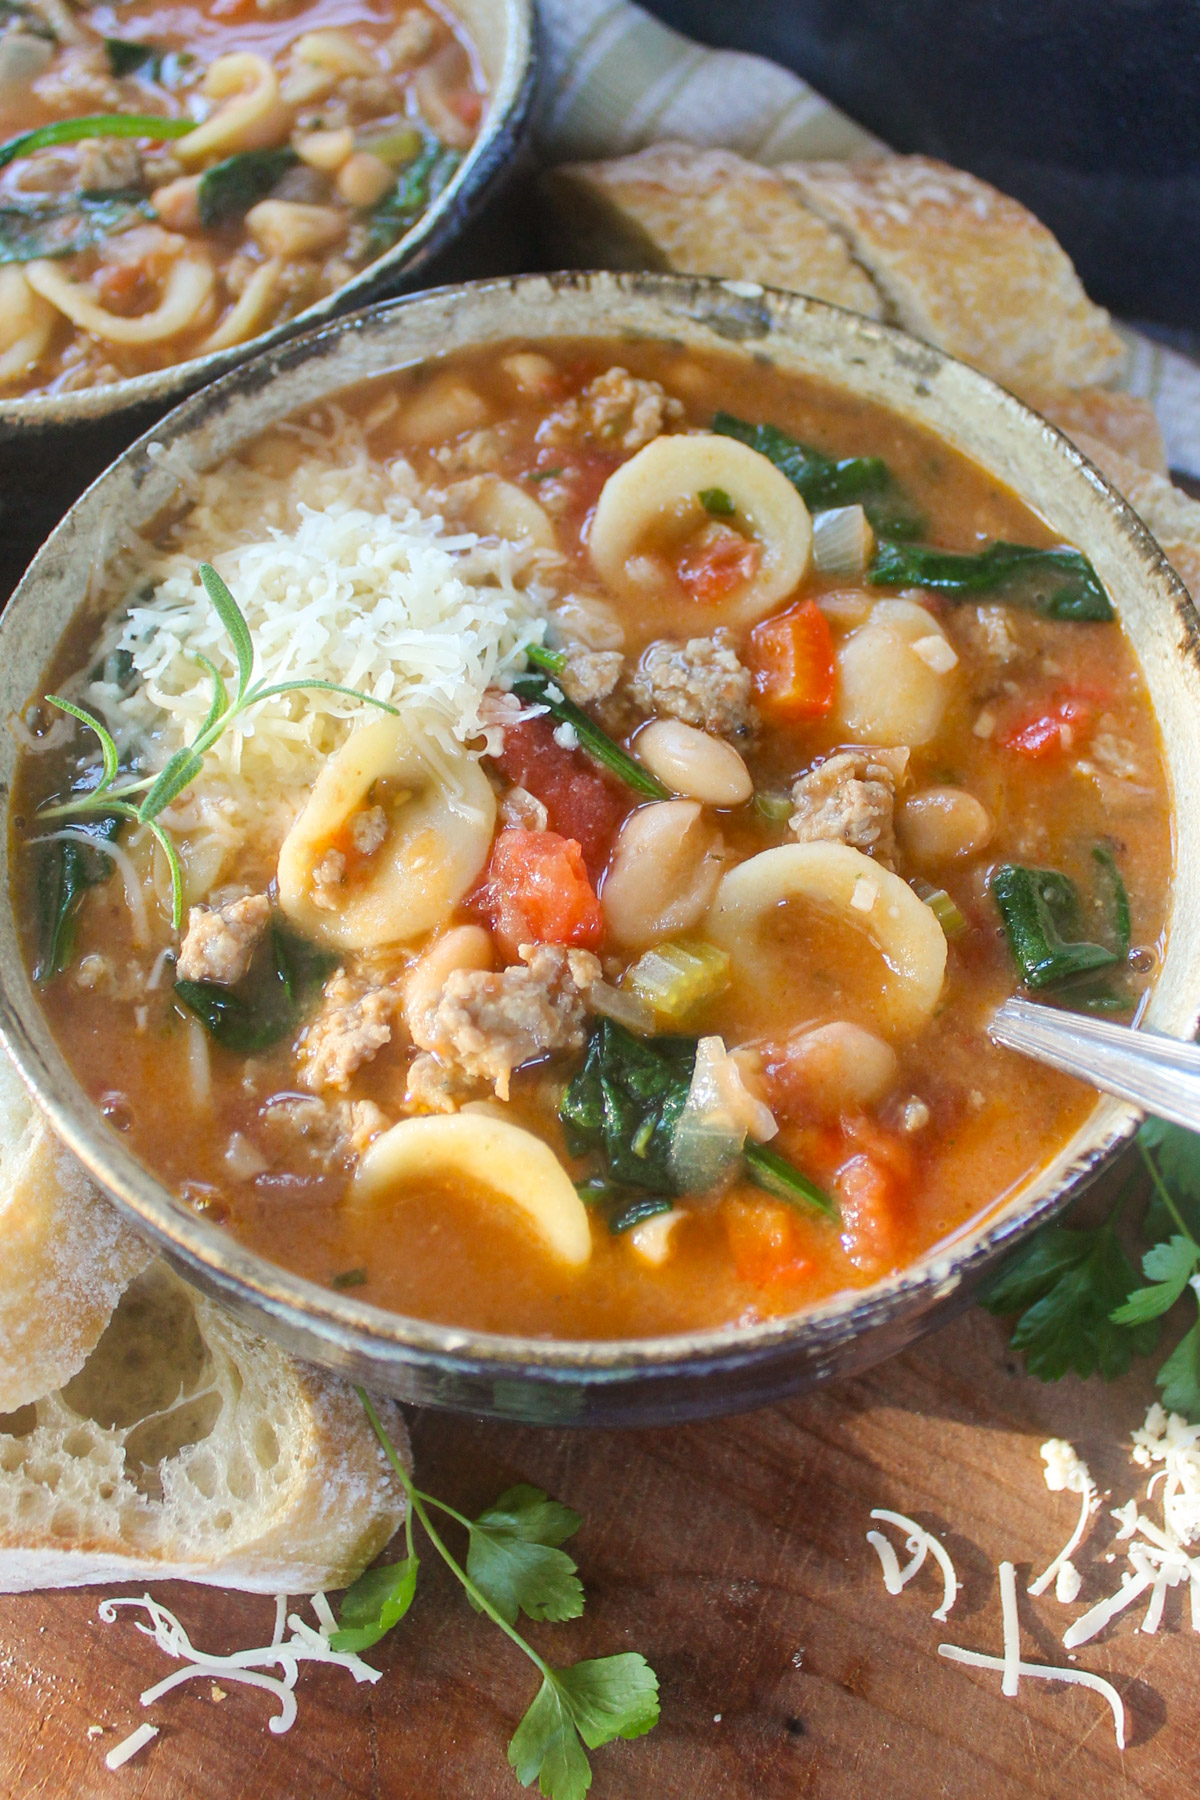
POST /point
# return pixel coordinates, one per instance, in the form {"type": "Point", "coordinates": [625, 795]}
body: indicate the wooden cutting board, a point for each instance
{"type": "Point", "coordinates": [734, 1555]}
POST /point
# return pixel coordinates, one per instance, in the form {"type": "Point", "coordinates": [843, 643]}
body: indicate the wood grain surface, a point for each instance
{"type": "Point", "coordinates": [734, 1555]}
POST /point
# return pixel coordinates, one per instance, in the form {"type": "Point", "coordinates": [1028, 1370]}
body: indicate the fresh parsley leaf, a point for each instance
{"type": "Point", "coordinates": [1065, 1286]}
{"type": "Point", "coordinates": [606, 1698]}
{"type": "Point", "coordinates": [1170, 1267]}
{"type": "Point", "coordinates": [1179, 1377]}
{"type": "Point", "coordinates": [1175, 1156]}
{"type": "Point", "coordinates": [514, 1560]}
{"type": "Point", "coordinates": [378, 1600]}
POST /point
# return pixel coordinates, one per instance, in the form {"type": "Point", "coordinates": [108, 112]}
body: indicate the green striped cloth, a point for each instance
{"type": "Point", "coordinates": [616, 79]}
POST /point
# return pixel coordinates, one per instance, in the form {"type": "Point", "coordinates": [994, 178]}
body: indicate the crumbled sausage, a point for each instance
{"type": "Point", "coordinates": [589, 675]}
{"type": "Point", "coordinates": [354, 1023]}
{"type": "Point", "coordinates": [106, 163]}
{"type": "Point", "coordinates": [328, 1133]}
{"type": "Point", "coordinates": [989, 632]}
{"type": "Point", "coordinates": [218, 944]}
{"type": "Point", "coordinates": [487, 1024]}
{"type": "Point", "coordinates": [701, 682]}
{"type": "Point", "coordinates": [850, 798]}
{"type": "Point", "coordinates": [616, 409]}
{"type": "Point", "coordinates": [329, 872]}
{"type": "Point", "coordinates": [368, 829]}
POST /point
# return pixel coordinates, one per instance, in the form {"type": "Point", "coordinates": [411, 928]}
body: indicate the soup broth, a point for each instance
{"type": "Point", "coordinates": [632, 975]}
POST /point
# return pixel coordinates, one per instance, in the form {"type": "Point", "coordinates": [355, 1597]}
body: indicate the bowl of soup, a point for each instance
{"type": "Point", "coordinates": [523, 804]}
{"type": "Point", "coordinates": [179, 185]}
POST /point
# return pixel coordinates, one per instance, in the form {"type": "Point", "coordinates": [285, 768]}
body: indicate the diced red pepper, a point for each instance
{"type": "Point", "coordinates": [537, 892]}
{"type": "Point", "coordinates": [1051, 729]}
{"type": "Point", "coordinates": [582, 803]}
{"type": "Point", "coordinates": [791, 659]}
{"type": "Point", "coordinates": [720, 561]}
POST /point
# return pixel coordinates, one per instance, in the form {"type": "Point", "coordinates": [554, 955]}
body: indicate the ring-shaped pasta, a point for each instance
{"type": "Point", "coordinates": [26, 321]}
{"type": "Point", "coordinates": [657, 493]}
{"type": "Point", "coordinates": [251, 312]}
{"type": "Point", "coordinates": [440, 815]}
{"type": "Point", "coordinates": [254, 117]}
{"type": "Point", "coordinates": [903, 929]}
{"type": "Point", "coordinates": [186, 292]}
{"type": "Point", "coordinates": [492, 1154]}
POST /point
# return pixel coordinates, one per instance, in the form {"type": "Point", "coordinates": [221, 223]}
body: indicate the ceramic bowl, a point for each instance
{"type": "Point", "coordinates": [503, 33]}
{"type": "Point", "coordinates": [646, 1380]}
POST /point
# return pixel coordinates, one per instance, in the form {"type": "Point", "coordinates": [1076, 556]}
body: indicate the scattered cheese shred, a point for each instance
{"type": "Point", "coordinates": [304, 1644]}
{"type": "Point", "coordinates": [1066, 1472]}
{"type": "Point", "coordinates": [137, 1740]}
{"type": "Point", "coordinates": [919, 1544]}
{"type": "Point", "coordinates": [1011, 1626]}
{"type": "Point", "coordinates": [974, 1659]}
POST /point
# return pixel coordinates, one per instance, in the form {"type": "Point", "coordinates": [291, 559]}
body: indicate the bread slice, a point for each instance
{"type": "Point", "coordinates": [187, 1447]}
{"type": "Point", "coordinates": [701, 212]}
{"type": "Point", "coordinates": [1126, 422]}
{"type": "Point", "coordinates": [1172, 516]}
{"type": "Point", "coordinates": [65, 1253]}
{"type": "Point", "coordinates": [966, 268]}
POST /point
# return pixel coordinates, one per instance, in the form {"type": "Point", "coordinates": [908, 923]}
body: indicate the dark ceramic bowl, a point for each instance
{"type": "Point", "coordinates": [502, 32]}
{"type": "Point", "coordinates": [646, 1380]}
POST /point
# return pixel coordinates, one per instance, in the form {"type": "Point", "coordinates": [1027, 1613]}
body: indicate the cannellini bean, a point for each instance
{"type": "Point", "coordinates": [911, 943]}
{"type": "Point", "coordinates": [659, 489]}
{"type": "Point", "coordinates": [497, 508]}
{"type": "Point", "coordinates": [889, 691]}
{"type": "Point", "coordinates": [186, 293]}
{"type": "Point", "coordinates": [178, 204]}
{"type": "Point", "coordinates": [441, 813]}
{"type": "Point", "coordinates": [462, 947]}
{"type": "Point", "coordinates": [694, 763]}
{"type": "Point", "coordinates": [529, 372]}
{"type": "Point", "coordinates": [254, 116]}
{"type": "Point", "coordinates": [26, 321]}
{"type": "Point", "coordinates": [493, 1155]}
{"type": "Point", "coordinates": [939, 823]}
{"type": "Point", "coordinates": [663, 873]}
{"type": "Point", "coordinates": [363, 179]}
{"type": "Point", "coordinates": [837, 1068]}
{"type": "Point", "coordinates": [326, 150]}
{"type": "Point", "coordinates": [289, 228]}
{"type": "Point", "coordinates": [252, 311]}
{"type": "Point", "coordinates": [444, 408]}
{"type": "Point", "coordinates": [336, 51]}
{"type": "Point", "coordinates": [590, 620]}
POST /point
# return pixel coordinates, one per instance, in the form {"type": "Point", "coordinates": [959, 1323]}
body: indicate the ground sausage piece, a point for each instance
{"type": "Point", "coordinates": [487, 1024]}
{"type": "Point", "coordinates": [355, 1021]}
{"type": "Point", "coordinates": [617, 409]}
{"type": "Point", "coordinates": [701, 682]}
{"type": "Point", "coordinates": [589, 675]}
{"type": "Point", "coordinates": [218, 945]}
{"type": "Point", "coordinates": [850, 798]}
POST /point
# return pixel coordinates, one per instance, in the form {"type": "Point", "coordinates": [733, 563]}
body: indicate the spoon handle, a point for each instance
{"type": "Point", "coordinates": [1157, 1073]}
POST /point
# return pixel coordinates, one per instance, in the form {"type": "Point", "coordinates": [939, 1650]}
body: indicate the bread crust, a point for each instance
{"type": "Point", "coordinates": [966, 268]}
{"type": "Point", "coordinates": [67, 1253]}
{"type": "Point", "coordinates": [1125, 422]}
{"type": "Point", "coordinates": [697, 211]}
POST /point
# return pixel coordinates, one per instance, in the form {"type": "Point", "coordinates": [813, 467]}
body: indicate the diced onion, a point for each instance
{"type": "Point", "coordinates": [842, 541]}
{"type": "Point", "coordinates": [622, 1005]}
{"type": "Point", "coordinates": [718, 1116]}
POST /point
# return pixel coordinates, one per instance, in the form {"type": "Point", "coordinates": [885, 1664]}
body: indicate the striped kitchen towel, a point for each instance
{"type": "Point", "coordinates": [616, 79]}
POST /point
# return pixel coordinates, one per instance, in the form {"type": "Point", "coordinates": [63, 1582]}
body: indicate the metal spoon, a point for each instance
{"type": "Point", "coordinates": [1155, 1072]}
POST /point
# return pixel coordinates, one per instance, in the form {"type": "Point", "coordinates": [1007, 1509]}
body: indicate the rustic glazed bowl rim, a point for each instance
{"type": "Point", "coordinates": [509, 102]}
{"type": "Point", "coordinates": [735, 316]}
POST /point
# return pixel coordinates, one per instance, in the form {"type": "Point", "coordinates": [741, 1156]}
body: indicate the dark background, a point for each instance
{"type": "Point", "coordinates": [1087, 110]}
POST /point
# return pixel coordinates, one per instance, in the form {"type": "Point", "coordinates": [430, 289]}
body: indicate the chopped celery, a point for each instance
{"type": "Point", "coordinates": [675, 978]}
{"type": "Point", "coordinates": [944, 908]}
{"type": "Point", "coordinates": [776, 808]}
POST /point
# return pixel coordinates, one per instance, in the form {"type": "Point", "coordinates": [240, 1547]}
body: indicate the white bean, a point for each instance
{"type": "Point", "coordinates": [888, 693]}
{"type": "Point", "coordinates": [289, 228]}
{"type": "Point", "coordinates": [462, 947]}
{"type": "Point", "coordinates": [694, 763]}
{"type": "Point", "coordinates": [443, 408]}
{"type": "Point", "coordinates": [940, 823]}
{"type": "Point", "coordinates": [326, 150]}
{"type": "Point", "coordinates": [664, 872]}
{"type": "Point", "coordinates": [364, 178]}
{"type": "Point", "coordinates": [839, 1067]}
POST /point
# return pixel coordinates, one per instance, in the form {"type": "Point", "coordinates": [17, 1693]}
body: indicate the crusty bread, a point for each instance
{"type": "Point", "coordinates": [65, 1253]}
{"type": "Point", "coordinates": [189, 1448]}
{"type": "Point", "coordinates": [701, 212]}
{"type": "Point", "coordinates": [1171, 515]}
{"type": "Point", "coordinates": [966, 268]}
{"type": "Point", "coordinates": [1125, 422]}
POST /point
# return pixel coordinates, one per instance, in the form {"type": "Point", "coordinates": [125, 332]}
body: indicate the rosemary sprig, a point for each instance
{"type": "Point", "coordinates": [144, 799]}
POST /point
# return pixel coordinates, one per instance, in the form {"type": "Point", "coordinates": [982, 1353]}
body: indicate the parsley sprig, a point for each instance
{"type": "Point", "coordinates": [143, 799]}
{"type": "Point", "coordinates": [515, 1564]}
{"type": "Point", "coordinates": [1076, 1291]}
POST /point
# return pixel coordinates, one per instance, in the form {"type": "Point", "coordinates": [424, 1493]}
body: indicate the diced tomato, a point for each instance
{"type": "Point", "coordinates": [538, 892]}
{"type": "Point", "coordinates": [466, 105]}
{"type": "Point", "coordinates": [582, 803]}
{"type": "Point", "coordinates": [766, 1241]}
{"type": "Point", "coordinates": [888, 1148]}
{"type": "Point", "coordinates": [718, 561]}
{"type": "Point", "coordinates": [873, 1189]}
{"type": "Point", "coordinates": [1054, 727]}
{"type": "Point", "coordinates": [791, 659]}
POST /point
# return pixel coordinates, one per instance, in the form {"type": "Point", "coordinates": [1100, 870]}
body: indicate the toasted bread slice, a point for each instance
{"type": "Point", "coordinates": [1171, 515]}
{"type": "Point", "coordinates": [189, 1448]}
{"type": "Point", "coordinates": [701, 212]}
{"type": "Point", "coordinates": [66, 1255]}
{"type": "Point", "coordinates": [966, 268]}
{"type": "Point", "coordinates": [1126, 422]}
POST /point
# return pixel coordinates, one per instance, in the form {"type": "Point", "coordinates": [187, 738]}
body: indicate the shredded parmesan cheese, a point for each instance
{"type": "Point", "coordinates": [1079, 1677]}
{"type": "Point", "coordinates": [920, 1543]}
{"type": "Point", "coordinates": [137, 1740]}
{"type": "Point", "coordinates": [303, 1644]}
{"type": "Point", "coordinates": [1066, 1472]}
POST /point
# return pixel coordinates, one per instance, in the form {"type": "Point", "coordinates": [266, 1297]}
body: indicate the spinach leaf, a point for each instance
{"type": "Point", "coordinates": [67, 869]}
{"type": "Point", "coordinates": [268, 1003]}
{"type": "Point", "coordinates": [1058, 584]}
{"type": "Point", "coordinates": [230, 188]}
{"type": "Point", "coordinates": [63, 227]}
{"type": "Point", "coordinates": [538, 689]}
{"type": "Point", "coordinates": [418, 187]}
{"type": "Point", "coordinates": [826, 481]}
{"type": "Point", "coordinates": [93, 125]}
{"type": "Point", "coordinates": [126, 57]}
